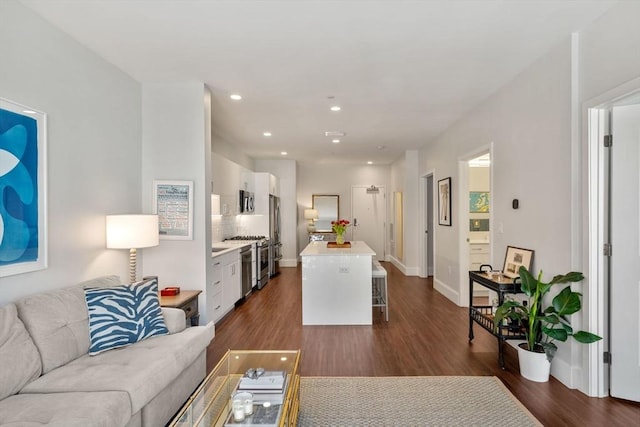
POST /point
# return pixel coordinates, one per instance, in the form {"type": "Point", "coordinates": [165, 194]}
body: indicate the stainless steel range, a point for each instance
{"type": "Point", "coordinates": [262, 257]}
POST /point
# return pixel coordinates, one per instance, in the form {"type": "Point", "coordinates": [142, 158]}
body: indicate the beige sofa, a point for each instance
{"type": "Point", "coordinates": [47, 377]}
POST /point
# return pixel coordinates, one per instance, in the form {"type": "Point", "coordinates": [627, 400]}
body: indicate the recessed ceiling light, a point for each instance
{"type": "Point", "coordinates": [369, 162]}
{"type": "Point", "coordinates": [235, 97]}
{"type": "Point", "coordinates": [267, 133]}
{"type": "Point", "coordinates": [334, 133]}
{"type": "Point", "coordinates": [284, 153]}
{"type": "Point", "coordinates": [336, 108]}
{"type": "Point", "coordinates": [335, 141]}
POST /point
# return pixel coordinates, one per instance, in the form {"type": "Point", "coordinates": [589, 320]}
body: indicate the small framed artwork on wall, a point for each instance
{"type": "Point", "coordinates": [444, 201]}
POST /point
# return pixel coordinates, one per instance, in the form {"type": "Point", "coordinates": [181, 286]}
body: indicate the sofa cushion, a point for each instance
{"type": "Point", "coordinates": [143, 369]}
{"type": "Point", "coordinates": [19, 358]}
{"type": "Point", "coordinates": [58, 322]}
{"type": "Point", "coordinates": [100, 409]}
{"type": "Point", "coordinates": [123, 315]}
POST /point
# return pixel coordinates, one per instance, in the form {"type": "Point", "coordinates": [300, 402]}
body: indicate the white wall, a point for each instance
{"type": "Point", "coordinates": [175, 146]}
{"type": "Point", "coordinates": [94, 153]}
{"type": "Point", "coordinates": [529, 123]}
{"type": "Point", "coordinates": [334, 179]}
{"type": "Point", "coordinates": [286, 172]}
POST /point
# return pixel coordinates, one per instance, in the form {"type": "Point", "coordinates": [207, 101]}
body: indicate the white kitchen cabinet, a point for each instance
{"type": "Point", "coordinates": [478, 255]}
{"type": "Point", "coordinates": [231, 282]}
{"type": "Point", "coordinates": [225, 288]}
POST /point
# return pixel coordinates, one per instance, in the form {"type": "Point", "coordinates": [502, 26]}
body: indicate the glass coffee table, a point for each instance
{"type": "Point", "coordinates": [215, 402]}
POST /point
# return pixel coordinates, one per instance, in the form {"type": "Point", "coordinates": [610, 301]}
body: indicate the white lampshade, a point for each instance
{"type": "Point", "coordinates": [310, 214]}
{"type": "Point", "coordinates": [132, 231]}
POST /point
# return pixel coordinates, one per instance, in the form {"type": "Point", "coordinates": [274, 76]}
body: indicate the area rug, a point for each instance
{"type": "Point", "coordinates": [409, 401]}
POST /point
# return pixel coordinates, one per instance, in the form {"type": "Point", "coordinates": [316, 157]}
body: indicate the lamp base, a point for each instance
{"type": "Point", "coordinates": [311, 227]}
{"type": "Point", "coordinates": [132, 265]}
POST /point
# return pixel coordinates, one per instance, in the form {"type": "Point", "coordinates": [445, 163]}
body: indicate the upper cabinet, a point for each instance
{"type": "Point", "coordinates": [274, 185]}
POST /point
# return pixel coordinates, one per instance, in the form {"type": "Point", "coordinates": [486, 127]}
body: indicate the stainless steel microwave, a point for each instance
{"type": "Point", "coordinates": [246, 201]}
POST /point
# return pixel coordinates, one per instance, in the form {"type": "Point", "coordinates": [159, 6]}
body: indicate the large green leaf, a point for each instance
{"type": "Point", "coordinates": [510, 310]}
{"type": "Point", "coordinates": [567, 302]}
{"type": "Point", "coordinates": [552, 319]}
{"type": "Point", "coordinates": [566, 278]}
{"type": "Point", "coordinates": [586, 337]}
{"type": "Point", "coordinates": [556, 334]}
{"type": "Point", "coordinates": [528, 283]}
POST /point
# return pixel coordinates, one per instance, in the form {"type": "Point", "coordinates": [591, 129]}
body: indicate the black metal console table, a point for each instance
{"type": "Point", "coordinates": [483, 314]}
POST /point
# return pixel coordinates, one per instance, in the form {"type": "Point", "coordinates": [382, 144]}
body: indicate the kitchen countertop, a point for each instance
{"type": "Point", "coordinates": [320, 248]}
{"type": "Point", "coordinates": [228, 247]}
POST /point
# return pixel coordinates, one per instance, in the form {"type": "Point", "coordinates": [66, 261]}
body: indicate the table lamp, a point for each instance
{"type": "Point", "coordinates": [311, 215]}
{"type": "Point", "coordinates": [132, 232]}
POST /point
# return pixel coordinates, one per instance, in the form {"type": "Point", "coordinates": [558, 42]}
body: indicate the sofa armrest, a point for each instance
{"type": "Point", "coordinates": [175, 319]}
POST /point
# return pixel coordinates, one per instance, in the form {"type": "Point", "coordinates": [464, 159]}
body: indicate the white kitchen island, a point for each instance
{"type": "Point", "coordinates": [336, 284]}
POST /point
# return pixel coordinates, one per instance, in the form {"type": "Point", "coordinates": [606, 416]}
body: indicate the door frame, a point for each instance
{"type": "Point", "coordinates": [424, 223]}
{"type": "Point", "coordinates": [595, 294]}
{"type": "Point", "coordinates": [463, 218]}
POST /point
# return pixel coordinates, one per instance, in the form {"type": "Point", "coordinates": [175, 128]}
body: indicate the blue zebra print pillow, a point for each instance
{"type": "Point", "coordinates": [123, 315]}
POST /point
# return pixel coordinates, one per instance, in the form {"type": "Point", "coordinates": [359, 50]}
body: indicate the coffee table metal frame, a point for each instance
{"type": "Point", "coordinates": [209, 405]}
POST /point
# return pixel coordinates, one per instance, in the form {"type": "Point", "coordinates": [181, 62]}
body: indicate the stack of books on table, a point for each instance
{"type": "Point", "coordinates": [268, 387]}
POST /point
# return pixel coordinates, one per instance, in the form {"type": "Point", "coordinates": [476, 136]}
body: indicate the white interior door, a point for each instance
{"type": "Point", "coordinates": [369, 216]}
{"type": "Point", "coordinates": [625, 258]}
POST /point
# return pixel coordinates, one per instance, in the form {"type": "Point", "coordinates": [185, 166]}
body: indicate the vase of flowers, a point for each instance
{"type": "Point", "coordinates": [339, 227]}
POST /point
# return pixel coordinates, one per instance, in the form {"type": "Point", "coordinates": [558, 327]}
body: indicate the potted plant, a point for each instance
{"type": "Point", "coordinates": [543, 325]}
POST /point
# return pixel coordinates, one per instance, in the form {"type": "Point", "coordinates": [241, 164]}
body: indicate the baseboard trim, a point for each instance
{"type": "Point", "coordinates": [447, 291]}
{"type": "Point", "coordinates": [288, 262]}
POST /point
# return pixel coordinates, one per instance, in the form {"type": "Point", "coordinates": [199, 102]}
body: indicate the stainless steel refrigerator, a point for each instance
{"type": "Point", "coordinates": [275, 245]}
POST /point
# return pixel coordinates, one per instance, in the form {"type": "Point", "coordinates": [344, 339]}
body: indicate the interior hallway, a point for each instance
{"type": "Point", "coordinates": [426, 335]}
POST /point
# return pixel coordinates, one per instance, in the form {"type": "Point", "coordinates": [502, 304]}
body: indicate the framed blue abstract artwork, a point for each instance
{"type": "Point", "coordinates": [478, 201]}
{"type": "Point", "coordinates": [23, 190]}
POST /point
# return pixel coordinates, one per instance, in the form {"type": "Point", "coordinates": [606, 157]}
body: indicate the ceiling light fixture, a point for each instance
{"type": "Point", "coordinates": [334, 133]}
{"type": "Point", "coordinates": [335, 141]}
{"type": "Point", "coordinates": [235, 97]}
{"type": "Point", "coordinates": [284, 153]}
{"type": "Point", "coordinates": [369, 162]}
{"type": "Point", "coordinates": [267, 133]}
{"type": "Point", "coordinates": [336, 108]}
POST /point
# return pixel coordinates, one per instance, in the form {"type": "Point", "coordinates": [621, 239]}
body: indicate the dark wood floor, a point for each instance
{"type": "Point", "coordinates": [426, 335]}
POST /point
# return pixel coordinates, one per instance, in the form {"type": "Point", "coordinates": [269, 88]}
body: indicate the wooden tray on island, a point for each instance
{"type": "Point", "coordinates": [336, 245]}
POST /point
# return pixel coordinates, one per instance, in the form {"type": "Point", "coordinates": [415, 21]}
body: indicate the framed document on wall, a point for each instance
{"type": "Point", "coordinates": [173, 203]}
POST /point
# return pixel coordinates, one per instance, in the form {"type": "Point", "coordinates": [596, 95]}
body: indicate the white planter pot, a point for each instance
{"type": "Point", "coordinates": [533, 366]}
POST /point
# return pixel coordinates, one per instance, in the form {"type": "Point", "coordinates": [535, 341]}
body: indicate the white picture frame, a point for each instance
{"type": "Point", "coordinates": [23, 181]}
{"type": "Point", "coordinates": [173, 203]}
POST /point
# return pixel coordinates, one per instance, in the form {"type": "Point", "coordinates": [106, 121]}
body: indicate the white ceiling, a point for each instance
{"type": "Point", "coordinates": [402, 71]}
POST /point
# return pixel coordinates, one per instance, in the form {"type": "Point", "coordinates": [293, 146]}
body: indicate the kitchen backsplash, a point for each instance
{"type": "Point", "coordinates": [225, 226]}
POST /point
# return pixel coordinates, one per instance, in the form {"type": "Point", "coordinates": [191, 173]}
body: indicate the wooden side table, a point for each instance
{"type": "Point", "coordinates": [186, 301]}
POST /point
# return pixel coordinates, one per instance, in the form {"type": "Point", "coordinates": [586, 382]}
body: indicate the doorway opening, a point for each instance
{"type": "Point", "coordinates": [427, 264]}
{"type": "Point", "coordinates": [474, 206]}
